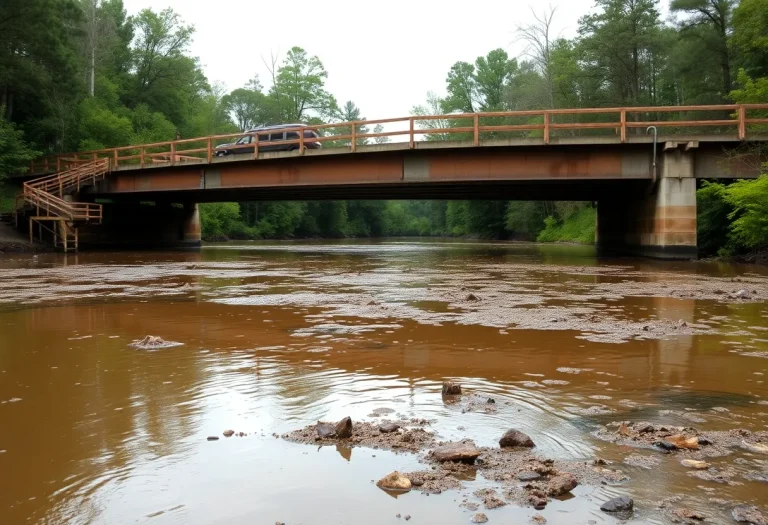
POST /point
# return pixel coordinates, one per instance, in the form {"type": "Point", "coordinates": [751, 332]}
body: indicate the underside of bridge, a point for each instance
{"type": "Point", "coordinates": [642, 209]}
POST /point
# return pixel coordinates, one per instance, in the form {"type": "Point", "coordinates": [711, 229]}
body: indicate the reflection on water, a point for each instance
{"type": "Point", "coordinates": [278, 336]}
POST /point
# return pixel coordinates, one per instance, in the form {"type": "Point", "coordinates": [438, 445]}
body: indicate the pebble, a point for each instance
{"type": "Point", "coordinates": [229, 433]}
{"type": "Point", "coordinates": [407, 517]}
{"type": "Point", "coordinates": [479, 518]}
{"type": "Point", "coordinates": [213, 438]}
{"type": "Point", "coordinates": [620, 504]}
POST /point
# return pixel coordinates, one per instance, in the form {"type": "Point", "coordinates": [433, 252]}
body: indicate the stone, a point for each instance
{"type": "Point", "coordinates": [388, 428]}
{"type": "Point", "coordinates": [407, 517]}
{"type": "Point", "coordinates": [344, 428]}
{"type": "Point", "coordinates": [620, 504]}
{"type": "Point", "coordinates": [624, 430]}
{"type": "Point", "coordinates": [561, 484]}
{"type": "Point", "coordinates": [537, 498]}
{"type": "Point", "coordinates": [692, 463]}
{"type": "Point", "coordinates": [666, 445]}
{"type": "Point", "coordinates": [326, 430]}
{"type": "Point", "coordinates": [528, 476]}
{"type": "Point", "coordinates": [394, 481]}
{"type": "Point", "coordinates": [680, 441]}
{"type": "Point", "coordinates": [229, 433]}
{"type": "Point", "coordinates": [472, 298]}
{"type": "Point", "coordinates": [748, 514]}
{"type": "Point", "coordinates": [464, 452]}
{"type": "Point", "coordinates": [539, 519]}
{"type": "Point", "coordinates": [479, 518]}
{"type": "Point", "coordinates": [515, 438]}
{"type": "Point", "coordinates": [742, 294]}
{"type": "Point", "coordinates": [451, 389]}
{"type": "Point", "coordinates": [213, 438]}
{"type": "Point", "coordinates": [758, 448]}
{"type": "Point", "coordinates": [688, 514]}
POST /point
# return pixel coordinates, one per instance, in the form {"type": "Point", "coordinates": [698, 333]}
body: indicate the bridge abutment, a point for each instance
{"type": "Point", "coordinates": [135, 225]}
{"type": "Point", "coordinates": [659, 218]}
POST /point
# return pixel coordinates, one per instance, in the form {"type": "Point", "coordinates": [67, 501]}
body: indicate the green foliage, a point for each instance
{"type": "Point", "coordinates": [579, 227]}
{"type": "Point", "coordinates": [299, 88]}
{"type": "Point", "coordinates": [749, 199]}
{"type": "Point", "coordinates": [750, 36]}
{"type": "Point", "coordinates": [15, 153]}
{"type": "Point", "coordinates": [712, 218]}
{"type": "Point", "coordinates": [219, 220]}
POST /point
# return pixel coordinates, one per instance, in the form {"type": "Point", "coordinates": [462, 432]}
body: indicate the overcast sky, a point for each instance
{"type": "Point", "coordinates": [382, 55]}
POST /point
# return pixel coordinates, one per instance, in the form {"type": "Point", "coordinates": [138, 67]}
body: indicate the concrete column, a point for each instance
{"type": "Point", "coordinates": [192, 233]}
{"type": "Point", "coordinates": [659, 219]}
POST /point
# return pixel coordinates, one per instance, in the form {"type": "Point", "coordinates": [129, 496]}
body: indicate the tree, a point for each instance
{"type": "Point", "coordinates": [299, 88]}
{"type": "Point", "coordinates": [709, 22]}
{"type": "Point", "coordinates": [750, 36]}
{"type": "Point", "coordinates": [378, 128]}
{"type": "Point", "coordinates": [247, 107]}
{"type": "Point", "coordinates": [349, 112]}
{"type": "Point", "coordinates": [538, 36]}
{"type": "Point", "coordinates": [15, 153]}
{"type": "Point", "coordinates": [618, 46]}
{"type": "Point", "coordinates": [479, 87]}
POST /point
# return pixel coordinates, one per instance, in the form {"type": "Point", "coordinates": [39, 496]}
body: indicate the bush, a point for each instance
{"type": "Point", "coordinates": [749, 199]}
{"type": "Point", "coordinates": [579, 227]}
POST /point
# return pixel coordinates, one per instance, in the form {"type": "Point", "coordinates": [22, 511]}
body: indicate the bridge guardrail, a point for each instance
{"type": "Point", "coordinates": [738, 119]}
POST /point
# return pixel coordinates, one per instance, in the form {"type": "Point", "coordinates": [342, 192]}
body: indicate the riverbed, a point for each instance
{"type": "Point", "coordinates": [276, 336]}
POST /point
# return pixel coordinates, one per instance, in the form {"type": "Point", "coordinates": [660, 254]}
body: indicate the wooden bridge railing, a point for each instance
{"type": "Point", "coordinates": [737, 120]}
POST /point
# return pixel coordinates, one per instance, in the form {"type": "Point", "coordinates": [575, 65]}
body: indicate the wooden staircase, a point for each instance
{"type": "Point", "coordinates": [49, 211]}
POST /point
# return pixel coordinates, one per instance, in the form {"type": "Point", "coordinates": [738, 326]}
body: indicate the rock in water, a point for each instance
{"type": "Point", "coordinates": [394, 481]}
{"type": "Point", "coordinates": [213, 438]}
{"type": "Point", "coordinates": [562, 484]}
{"type": "Point", "coordinates": [451, 389]}
{"type": "Point", "coordinates": [515, 438]}
{"type": "Point", "coordinates": [229, 433]}
{"type": "Point", "coordinates": [528, 476]}
{"type": "Point", "coordinates": [344, 428]}
{"type": "Point", "coordinates": [464, 452]}
{"type": "Point", "coordinates": [748, 514]}
{"type": "Point", "coordinates": [388, 428]}
{"type": "Point", "coordinates": [755, 447]}
{"type": "Point", "coordinates": [688, 514]}
{"type": "Point", "coordinates": [621, 504]}
{"type": "Point", "coordinates": [680, 441]}
{"type": "Point", "coordinates": [742, 294]}
{"type": "Point", "coordinates": [692, 463]}
{"type": "Point", "coordinates": [326, 430]}
{"type": "Point", "coordinates": [479, 518]}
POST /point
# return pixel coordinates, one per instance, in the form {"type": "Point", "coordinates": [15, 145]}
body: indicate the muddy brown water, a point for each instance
{"type": "Point", "coordinates": [277, 336]}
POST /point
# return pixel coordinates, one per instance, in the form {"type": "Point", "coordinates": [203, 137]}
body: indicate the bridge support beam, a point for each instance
{"type": "Point", "coordinates": [134, 225]}
{"type": "Point", "coordinates": [659, 218]}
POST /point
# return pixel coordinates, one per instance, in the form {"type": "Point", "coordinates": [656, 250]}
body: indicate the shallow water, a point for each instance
{"type": "Point", "coordinates": [277, 336]}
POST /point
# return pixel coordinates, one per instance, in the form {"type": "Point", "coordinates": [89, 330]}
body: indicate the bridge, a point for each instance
{"type": "Point", "coordinates": [639, 164]}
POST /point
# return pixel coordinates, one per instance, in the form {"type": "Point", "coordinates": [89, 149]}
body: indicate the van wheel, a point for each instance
{"type": "Point", "coordinates": [220, 154]}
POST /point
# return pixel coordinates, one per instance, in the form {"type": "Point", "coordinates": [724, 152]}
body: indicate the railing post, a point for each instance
{"type": "Point", "coordinates": [477, 129]}
{"type": "Point", "coordinates": [255, 146]}
{"type": "Point", "coordinates": [210, 150]}
{"type": "Point", "coordinates": [354, 137]}
{"type": "Point", "coordinates": [411, 142]}
{"type": "Point", "coordinates": [742, 122]}
{"type": "Point", "coordinates": [546, 127]}
{"type": "Point", "coordinates": [623, 130]}
{"type": "Point", "coordinates": [173, 153]}
{"type": "Point", "coordinates": [141, 157]}
{"type": "Point", "coordinates": [301, 142]}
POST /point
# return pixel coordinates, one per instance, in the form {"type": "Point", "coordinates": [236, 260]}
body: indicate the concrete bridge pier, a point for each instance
{"type": "Point", "coordinates": [136, 225]}
{"type": "Point", "coordinates": [654, 219]}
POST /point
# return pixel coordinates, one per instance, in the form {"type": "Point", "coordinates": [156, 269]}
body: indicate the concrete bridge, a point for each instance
{"type": "Point", "coordinates": [640, 165]}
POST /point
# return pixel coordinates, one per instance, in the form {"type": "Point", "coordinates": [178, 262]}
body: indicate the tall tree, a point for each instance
{"type": "Point", "coordinates": [299, 87]}
{"type": "Point", "coordinates": [709, 21]}
{"type": "Point", "coordinates": [538, 35]}
{"type": "Point", "coordinates": [750, 36]}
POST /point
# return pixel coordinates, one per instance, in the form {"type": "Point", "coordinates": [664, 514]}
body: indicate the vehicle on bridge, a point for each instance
{"type": "Point", "coordinates": [279, 137]}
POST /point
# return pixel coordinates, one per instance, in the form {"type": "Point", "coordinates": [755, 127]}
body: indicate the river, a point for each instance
{"type": "Point", "coordinates": [276, 336]}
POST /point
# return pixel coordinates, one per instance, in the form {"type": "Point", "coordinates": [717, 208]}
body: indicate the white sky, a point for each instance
{"type": "Point", "coordinates": [384, 56]}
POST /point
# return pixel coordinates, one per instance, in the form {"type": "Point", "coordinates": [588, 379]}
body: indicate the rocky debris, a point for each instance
{"type": "Point", "coordinates": [394, 481]}
{"type": "Point", "coordinates": [620, 504]}
{"type": "Point", "coordinates": [537, 498]}
{"type": "Point", "coordinates": [742, 294]}
{"type": "Point", "coordinates": [758, 448]}
{"type": "Point", "coordinates": [490, 498]}
{"type": "Point", "coordinates": [413, 438]}
{"type": "Point", "coordinates": [538, 519]}
{"type": "Point", "coordinates": [687, 441]}
{"type": "Point", "coordinates": [514, 438]}
{"type": "Point", "coordinates": [692, 463]}
{"type": "Point", "coordinates": [561, 484]}
{"type": "Point", "coordinates": [723, 476]}
{"type": "Point", "coordinates": [683, 442]}
{"type": "Point", "coordinates": [407, 517]}
{"type": "Point", "coordinates": [213, 438]}
{"type": "Point", "coordinates": [434, 481]}
{"type": "Point", "coordinates": [472, 298]}
{"type": "Point", "coordinates": [388, 428]}
{"type": "Point", "coordinates": [378, 412]}
{"type": "Point", "coordinates": [748, 514]}
{"type": "Point", "coordinates": [465, 452]}
{"type": "Point", "coordinates": [526, 477]}
{"type": "Point", "coordinates": [477, 403]}
{"type": "Point", "coordinates": [479, 518]}
{"type": "Point", "coordinates": [340, 430]}
{"type": "Point", "coordinates": [229, 433]}
{"type": "Point", "coordinates": [451, 389]}
{"type": "Point", "coordinates": [688, 514]}
{"type": "Point", "coordinates": [152, 342]}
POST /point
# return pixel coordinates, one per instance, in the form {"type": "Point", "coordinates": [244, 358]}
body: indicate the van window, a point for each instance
{"type": "Point", "coordinates": [245, 140]}
{"type": "Point", "coordinates": [276, 136]}
{"type": "Point", "coordinates": [263, 138]}
{"type": "Point", "coordinates": [291, 135]}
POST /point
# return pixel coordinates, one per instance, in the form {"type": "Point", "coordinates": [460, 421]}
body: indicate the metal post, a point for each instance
{"type": "Point", "coordinates": [655, 141]}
